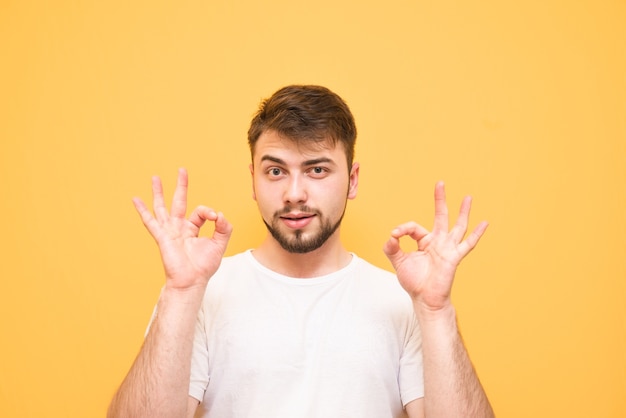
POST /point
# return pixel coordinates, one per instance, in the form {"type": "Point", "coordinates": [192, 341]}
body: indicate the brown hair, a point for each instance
{"type": "Point", "coordinates": [306, 113]}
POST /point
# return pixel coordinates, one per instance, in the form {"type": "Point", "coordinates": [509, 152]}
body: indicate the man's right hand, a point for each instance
{"type": "Point", "coordinates": [189, 260]}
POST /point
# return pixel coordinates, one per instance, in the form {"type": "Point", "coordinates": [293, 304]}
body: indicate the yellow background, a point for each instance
{"type": "Point", "coordinates": [521, 104]}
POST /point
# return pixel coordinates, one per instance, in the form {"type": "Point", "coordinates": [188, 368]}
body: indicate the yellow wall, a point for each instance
{"type": "Point", "coordinates": [522, 104]}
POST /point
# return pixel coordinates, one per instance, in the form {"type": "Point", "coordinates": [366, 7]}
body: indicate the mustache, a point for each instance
{"type": "Point", "coordinates": [305, 209]}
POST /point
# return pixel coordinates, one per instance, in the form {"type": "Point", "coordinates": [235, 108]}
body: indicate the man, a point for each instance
{"type": "Point", "coordinates": [300, 327]}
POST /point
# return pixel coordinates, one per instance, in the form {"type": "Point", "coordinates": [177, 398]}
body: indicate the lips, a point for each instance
{"type": "Point", "coordinates": [297, 221]}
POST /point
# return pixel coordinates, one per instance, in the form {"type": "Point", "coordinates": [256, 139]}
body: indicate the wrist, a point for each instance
{"type": "Point", "coordinates": [425, 313]}
{"type": "Point", "coordinates": [176, 314]}
{"type": "Point", "coordinates": [190, 296]}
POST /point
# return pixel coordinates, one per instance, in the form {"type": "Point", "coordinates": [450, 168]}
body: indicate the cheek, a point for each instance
{"type": "Point", "coordinates": [266, 198]}
{"type": "Point", "coordinates": [334, 200]}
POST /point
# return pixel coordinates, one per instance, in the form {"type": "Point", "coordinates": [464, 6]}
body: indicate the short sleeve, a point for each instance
{"type": "Point", "coordinates": [411, 375]}
{"type": "Point", "coordinates": [199, 380]}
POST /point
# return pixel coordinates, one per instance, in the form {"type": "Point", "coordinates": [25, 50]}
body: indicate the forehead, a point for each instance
{"type": "Point", "coordinates": [270, 143]}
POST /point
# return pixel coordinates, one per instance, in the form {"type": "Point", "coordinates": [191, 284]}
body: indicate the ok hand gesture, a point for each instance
{"type": "Point", "coordinates": [189, 260]}
{"type": "Point", "coordinates": [427, 274]}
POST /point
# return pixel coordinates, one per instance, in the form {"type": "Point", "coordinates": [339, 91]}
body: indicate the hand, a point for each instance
{"type": "Point", "coordinates": [427, 274]}
{"type": "Point", "coordinates": [189, 260]}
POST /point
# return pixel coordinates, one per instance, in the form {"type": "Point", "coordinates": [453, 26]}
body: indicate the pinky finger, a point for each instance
{"type": "Point", "coordinates": [146, 216]}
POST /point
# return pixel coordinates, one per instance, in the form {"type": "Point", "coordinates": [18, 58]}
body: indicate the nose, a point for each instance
{"type": "Point", "coordinates": [296, 191]}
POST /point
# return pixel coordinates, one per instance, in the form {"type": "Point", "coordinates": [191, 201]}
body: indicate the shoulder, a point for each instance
{"type": "Point", "coordinates": [373, 275]}
{"type": "Point", "coordinates": [231, 282]}
{"type": "Point", "coordinates": [369, 268]}
{"type": "Point", "coordinates": [381, 284]}
{"type": "Point", "coordinates": [379, 298]}
{"type": "Point", "coordinates": [232, 269]}
{"type": "Point", "coordinates": [235, 260]}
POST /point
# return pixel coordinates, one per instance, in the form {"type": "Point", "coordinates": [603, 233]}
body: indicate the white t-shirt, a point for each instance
{"type": "Point", "coordinates": [342, 345]}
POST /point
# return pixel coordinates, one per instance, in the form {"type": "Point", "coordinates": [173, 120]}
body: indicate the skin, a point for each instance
{"type": "Point", "coordinates": [301, 191]}
{"type": "Point", "coordinates": [156, 385]}
{"type": "Point", "coordinates": [286, 177]}
{"type": "Point", "coordinates": [451, 386]}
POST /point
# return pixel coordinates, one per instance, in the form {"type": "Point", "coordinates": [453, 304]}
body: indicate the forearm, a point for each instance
{"type": "Point", "coordinates": [158, 382]}
{"type": "Point", "coordinates": [451, 386]}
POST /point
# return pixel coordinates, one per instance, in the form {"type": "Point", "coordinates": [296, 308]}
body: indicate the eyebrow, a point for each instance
{"type": "Point", "coordinates": [306, 163]}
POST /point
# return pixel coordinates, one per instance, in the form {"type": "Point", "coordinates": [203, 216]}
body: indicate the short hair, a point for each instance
{"type": "Point", "coordinates": [306, 113]}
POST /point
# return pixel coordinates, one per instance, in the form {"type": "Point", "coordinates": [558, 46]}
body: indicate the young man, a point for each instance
{"type": "Point", "coordinates": [300, 327]}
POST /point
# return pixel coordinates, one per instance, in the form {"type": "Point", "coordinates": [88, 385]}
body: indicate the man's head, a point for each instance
{"type": "Point", "coordinates": [306, 114]}
{"type": "Point", "coordinates": [302, 144]}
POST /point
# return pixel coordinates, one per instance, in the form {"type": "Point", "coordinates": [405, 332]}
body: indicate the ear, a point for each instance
{"type": "Point", "coordinates": [354, 181]}
{"type": "Point", "coordinates": [251, 167]}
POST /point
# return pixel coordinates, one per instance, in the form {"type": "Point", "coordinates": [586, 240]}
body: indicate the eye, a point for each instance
{"type": "Point", "coordinates": [318, 172]}
{"type": "Point", "coordinates": [274, 172]}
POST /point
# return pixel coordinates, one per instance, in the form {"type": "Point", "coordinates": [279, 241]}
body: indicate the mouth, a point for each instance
{"type": "Point", "coordinates": [297, 220]}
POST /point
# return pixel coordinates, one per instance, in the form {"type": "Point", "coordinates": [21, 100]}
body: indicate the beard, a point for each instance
{"type": "Point", "coordinates": [295, 242]}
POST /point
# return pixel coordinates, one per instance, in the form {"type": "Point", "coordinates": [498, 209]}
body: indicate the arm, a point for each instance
{"type": "Point", "coordinates": [158, 382]}
{"type": "Point", "coordinates": [451, 386]}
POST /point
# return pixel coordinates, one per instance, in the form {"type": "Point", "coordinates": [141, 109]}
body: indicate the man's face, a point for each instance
{"type": "Point", "coordinates": [301, 190]}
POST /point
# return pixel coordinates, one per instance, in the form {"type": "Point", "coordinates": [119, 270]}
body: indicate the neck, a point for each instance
{"type": "Point", "coordinates": [330, 257]}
